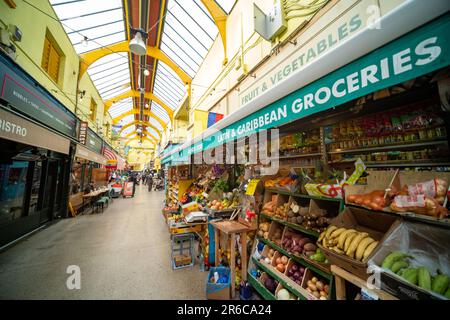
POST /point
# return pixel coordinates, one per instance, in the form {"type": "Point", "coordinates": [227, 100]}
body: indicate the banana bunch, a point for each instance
{"type": "Point", "coordinates": [355, 244]}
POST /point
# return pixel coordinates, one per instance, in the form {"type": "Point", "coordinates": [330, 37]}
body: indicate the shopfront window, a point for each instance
{"type": "Point", "coordinates": [12, 190]}
{"type": "Point", "coordinates": [35, 186]}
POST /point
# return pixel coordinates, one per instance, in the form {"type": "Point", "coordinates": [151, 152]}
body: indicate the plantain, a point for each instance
{"type": "Point", "coordinates": [344, 236]}
{"type": "Point", "coordinates": [337, 233]}
{"type": "Point", "coordinates": [362, 247]}
{"type": "Point", "coordinates": [424, 278]}
{"type": "Point", "coordinates": [399, 265]}
{"type": "Point", "coordinates": [369, 250]}
{"type": "Point", "coordinates": [349, 240]}
{"type": "Point", "coordinates": [355, 242]}
{"type": "Point", "coordinates": [393, 257]}
{"type": "Point", "coordinates": [329, 231]}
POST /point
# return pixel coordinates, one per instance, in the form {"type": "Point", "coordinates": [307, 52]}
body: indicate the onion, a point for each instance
{"type": "Point", "coordinates": [280, 267]}
{"type": "Point", "coordinates": [294, 267]}
{"type": "Point", "coordinates": [302, 270]}
{"type": "Point", "coordinates": [297, 275]}
{"type": "Point", "coordinates": [278, 261]}
{"type": "Point", "coordinates": [284, 260]}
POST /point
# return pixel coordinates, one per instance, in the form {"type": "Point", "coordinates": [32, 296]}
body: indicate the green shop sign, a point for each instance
{"type": "Point", "coordinates": [23, 94]}
{"type": "Point", "coordinates": [94, 142]}
{"type": "Point", "coordinates": [419, 52]}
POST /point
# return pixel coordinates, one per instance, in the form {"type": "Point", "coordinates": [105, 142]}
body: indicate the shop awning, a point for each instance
{"type": "Point", "coordinates": [345, 73]}
{"type": "Point", "coordinates": [14, 127]}
{"type": "Point", "coordinates": [85, 153]}
{"type": "Point", "coordinates": [111, 158]}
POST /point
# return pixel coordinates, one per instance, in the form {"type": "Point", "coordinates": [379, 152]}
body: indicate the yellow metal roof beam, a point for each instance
{"type": "Point", "coordinates": [88, 58]}
{"type": "Point", "coordinates": [137, 111]}
{"type": "Point", "coordinates": [144, 123]}
{"type": "Point", "coordinates": [134, 93]}
{"type": "Point", "coordinates": [139, 138]}
{"type": "Point", "coordinates": [220, 18]}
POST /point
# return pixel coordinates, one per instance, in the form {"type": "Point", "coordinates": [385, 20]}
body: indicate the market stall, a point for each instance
{"type": "Point", "coordinates": [362, 189]}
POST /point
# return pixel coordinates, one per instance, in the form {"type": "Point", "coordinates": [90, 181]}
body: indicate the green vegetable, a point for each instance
{"type": "Point", "coordinates": [424, 278]}
{"type": "Point", "coordinates": [447, 293]}
{"type": "Point", "coordinates": [393, 257]}
{"type": "Point", "coordinates": [411, 275]}
{"type": "Point", "coordinates": [398, 265]}
{"type": "Point", "coordinates": [440, 283]}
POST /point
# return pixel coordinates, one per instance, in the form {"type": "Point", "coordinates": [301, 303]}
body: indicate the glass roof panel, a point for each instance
{"type": "Point", "coordinates": [160, 112]}
{"type": "Point", "coordinates": [127, 119]}
{"type": "Point", "coordinates": [121, 107]}
{"type": "Point", "coordinates": [154, 122]}
{"type": "Point", "coordinates": [112, 94]}
{"type": "Point", "coordinates": [153, 132]}
{"type": "Point", "coordinates": [128, 130]}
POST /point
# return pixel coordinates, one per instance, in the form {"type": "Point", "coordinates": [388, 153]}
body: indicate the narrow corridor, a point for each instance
{"type": "Point", "coordinates": [123, 253]}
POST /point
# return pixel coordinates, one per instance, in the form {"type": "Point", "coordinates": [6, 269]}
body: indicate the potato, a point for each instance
{"type": "Point", "coordinates": [314, 280]}
{"type": "Point", "coordinates": [266, 235]}
{"type": "Point", "coordinates": [312, 286]}
{"type": "Point", "coordinates": [260, 233]}
{"type": "Point", "coordinates": [316, 294]}
{"type": "Point", "coordinates": [326, 288]}
{"type": "Point", "coordinates": [323, 294]}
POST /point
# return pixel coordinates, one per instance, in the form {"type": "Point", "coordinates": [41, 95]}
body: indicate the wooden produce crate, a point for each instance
{"type": "Point", "coordinates": [180, 228]}
{"type": "Point", "coordinates": [182, 260]}
{"type": "Point", "coordinates": [377, 225]}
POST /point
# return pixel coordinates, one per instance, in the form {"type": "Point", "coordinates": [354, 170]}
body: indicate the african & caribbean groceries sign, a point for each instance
{"type": "Point", "coordinates": [422, 51]}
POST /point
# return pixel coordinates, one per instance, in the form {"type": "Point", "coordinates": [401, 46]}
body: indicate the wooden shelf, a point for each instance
{"type": "Point", "coordinates": [291, 225]}
{"type": "Point", "coordinates": [396, 163]}
{"type": "Point", "coordinates": [341, 276]}
{"type": "Point", "coordinates": [297, 259]}
{"type": "Point", "coordinates": [259, 287]}
{"type": "Point", "coordinates": [305, 196]}
{"type": "Point", "coordinates": [392, 147]}
{"type": "Point", "coordinates": [306, 155]}
{"type": "Point", "coordinates": [281, 278]}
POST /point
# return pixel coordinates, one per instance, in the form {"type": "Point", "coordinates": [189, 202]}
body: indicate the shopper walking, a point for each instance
{"type": "Point", "coordinates": [150, 181]}
{"type": "Point", "coordinates": [133, 179]}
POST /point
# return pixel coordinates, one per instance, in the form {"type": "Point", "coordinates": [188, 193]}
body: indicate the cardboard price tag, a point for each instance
{"type": "Point", "coordinates": [360, 167]}
{"type": "Point", "coordinates": [251, 187]}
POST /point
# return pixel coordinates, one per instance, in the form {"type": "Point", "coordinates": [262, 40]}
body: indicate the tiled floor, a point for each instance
{"type": "Point", "coordinates": [123, 253]}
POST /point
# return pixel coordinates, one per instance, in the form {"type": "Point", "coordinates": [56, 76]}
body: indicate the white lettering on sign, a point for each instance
{"type": "Point", "coordinates": [13, 128]}
{"type": "Point", "coordinates": [401, 62]}
{"type": "Point", "coordinates": [353, 20]}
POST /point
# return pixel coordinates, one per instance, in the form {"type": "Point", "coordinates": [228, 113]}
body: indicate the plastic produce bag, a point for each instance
{"type": "Point", "coordinates": [426, 244]}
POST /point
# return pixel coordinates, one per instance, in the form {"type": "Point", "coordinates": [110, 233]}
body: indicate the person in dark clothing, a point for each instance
{"type": "Point", "coordinates": [150, 182]}
{"type": "Point", "coordinates": [133, 179]}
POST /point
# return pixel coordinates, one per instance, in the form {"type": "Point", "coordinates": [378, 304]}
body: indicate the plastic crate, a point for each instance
{"type": "Point", "coordinates": [218, 291]}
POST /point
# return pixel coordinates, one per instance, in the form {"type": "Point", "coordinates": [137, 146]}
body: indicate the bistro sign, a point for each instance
{"type": "Point", "coordinates": [18, 129]}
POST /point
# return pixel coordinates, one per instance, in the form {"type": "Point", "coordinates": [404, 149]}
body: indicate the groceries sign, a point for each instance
{"type": "Point", "coordinates": [422, 51]}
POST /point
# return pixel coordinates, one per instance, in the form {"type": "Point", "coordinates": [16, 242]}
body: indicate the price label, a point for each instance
{"type": "Point", "coordinates": [251, 187]}
{"type": "Point", "coordinates": [360, 167]}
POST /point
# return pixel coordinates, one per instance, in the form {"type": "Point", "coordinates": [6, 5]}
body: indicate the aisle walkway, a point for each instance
{"type": "Point", "coordinates": [122, 254]}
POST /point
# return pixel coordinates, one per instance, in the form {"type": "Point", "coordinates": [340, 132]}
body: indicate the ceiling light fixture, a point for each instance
{"type": "Point", "coordinates": [146, 72]}
{"type": "Point", "coordinates": [137, 44]}
{"type": "Point", "coordinates": [147, 106]}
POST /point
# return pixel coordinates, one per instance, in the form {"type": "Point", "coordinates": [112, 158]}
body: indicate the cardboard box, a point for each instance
{"type": "Point", "coordinates": [291, 282]}
{"type": "Point", "coordinates": [427, 244]}
{"type": "Point", "coordinates": [279, 287]}
{"type": "Point", "coordinates": [381, 180]}
{"type": "Point", "coordinates": [308, 276]}
{"type": "Point", "coordinates": [273, 227]}
{"type": "Point", "coordinates": [376, 224]}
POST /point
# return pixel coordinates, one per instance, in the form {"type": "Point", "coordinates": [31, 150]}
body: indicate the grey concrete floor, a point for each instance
{"type": "Point", "coordinates": [123, 253]}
